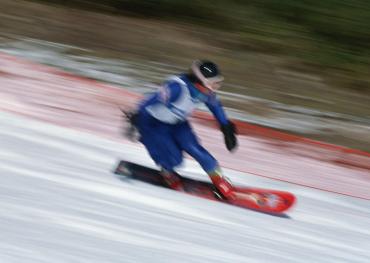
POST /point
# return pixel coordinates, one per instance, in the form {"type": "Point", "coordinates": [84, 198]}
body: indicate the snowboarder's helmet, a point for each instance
{"type": "Point", "coordinates": [208, 74]}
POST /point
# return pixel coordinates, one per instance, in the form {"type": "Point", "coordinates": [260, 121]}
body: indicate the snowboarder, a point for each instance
{"type": "Point", "coordinates": [161, 120]}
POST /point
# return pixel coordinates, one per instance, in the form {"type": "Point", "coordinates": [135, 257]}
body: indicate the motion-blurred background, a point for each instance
{"type": "Point", "coordinates": [298, 66]}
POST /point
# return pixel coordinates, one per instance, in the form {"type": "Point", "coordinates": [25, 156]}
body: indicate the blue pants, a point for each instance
{"type": "Point", "coordinates": [167, 142]}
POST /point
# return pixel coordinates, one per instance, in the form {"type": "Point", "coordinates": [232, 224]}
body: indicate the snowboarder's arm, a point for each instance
{"type": "Point", "coordinates": [215, 106]}
{"type": "Point", "coordinates": [227, 127]}
{"type": "Point", "coordinates": [166, 94]}
{"type": "Point", "coordinates": [149, 100]}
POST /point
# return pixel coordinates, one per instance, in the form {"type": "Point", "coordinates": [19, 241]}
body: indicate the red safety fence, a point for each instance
{"type": "Point", "coordinates": [300, 145]}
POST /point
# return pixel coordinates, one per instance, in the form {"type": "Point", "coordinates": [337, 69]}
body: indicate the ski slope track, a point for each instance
{"type": "Point", "coordinates": [60, 202]}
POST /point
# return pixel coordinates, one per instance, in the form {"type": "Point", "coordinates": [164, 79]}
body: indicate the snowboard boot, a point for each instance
{"type": "Point", "coordinates": [172, 179]}
{"type": "Point", "coordinates": [224, 188]}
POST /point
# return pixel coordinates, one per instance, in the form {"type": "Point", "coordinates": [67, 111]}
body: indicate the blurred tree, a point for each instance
{"type": "Point", "coordinates": [330, 33]}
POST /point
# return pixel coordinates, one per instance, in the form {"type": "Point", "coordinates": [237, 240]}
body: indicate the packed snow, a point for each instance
{"type": "Point", "coordinates": [60, 202]}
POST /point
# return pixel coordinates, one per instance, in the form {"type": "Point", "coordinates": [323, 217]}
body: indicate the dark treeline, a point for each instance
{"type": "Point", "coordinates": [327, 33]}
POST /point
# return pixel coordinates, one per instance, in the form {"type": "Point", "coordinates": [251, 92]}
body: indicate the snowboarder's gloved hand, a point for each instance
{"type": "Point", "coordinates": [131, 131]}
{"type": "Point", "coordinates": [132, 117]}
{"type": "Point", "coordinates": [229, 132]}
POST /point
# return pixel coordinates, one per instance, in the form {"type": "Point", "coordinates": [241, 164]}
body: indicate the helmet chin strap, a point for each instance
{"type": "Point", "coordinates": [202, 88]}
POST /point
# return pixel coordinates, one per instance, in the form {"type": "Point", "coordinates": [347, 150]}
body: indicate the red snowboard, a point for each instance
{"type": "Point", "coordinates": [263, 200]}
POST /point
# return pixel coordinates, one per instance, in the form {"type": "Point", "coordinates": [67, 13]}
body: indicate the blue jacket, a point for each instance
{"type": "Point", "coordinates": [177, 99]}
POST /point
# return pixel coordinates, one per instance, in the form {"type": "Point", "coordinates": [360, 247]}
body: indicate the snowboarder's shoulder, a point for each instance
{"type": "Point", "coordinates": [172, 88]}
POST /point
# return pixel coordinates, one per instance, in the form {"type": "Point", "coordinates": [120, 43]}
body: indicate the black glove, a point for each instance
{"type": "Point", "coordinates": [131, 131]}
{"type": "Point", "coordinates": [229, 132]}
{"type": "Point", "coordinates": [131, 117]}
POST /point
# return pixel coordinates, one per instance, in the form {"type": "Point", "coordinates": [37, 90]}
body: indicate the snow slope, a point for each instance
{"type": "Point", "coordinates": [60, 202]}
